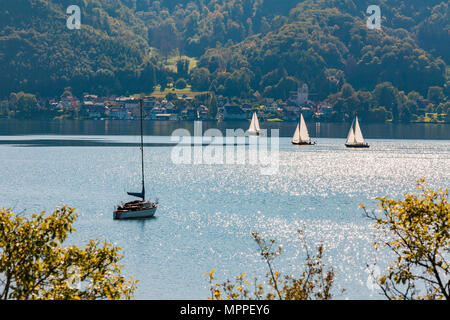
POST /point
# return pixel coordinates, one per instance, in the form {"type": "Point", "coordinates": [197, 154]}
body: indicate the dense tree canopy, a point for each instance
{"type": "Point", "coordinates": [416, 231]}
{"type": "Point", "coordinates": [242, 46]}
{"type": "Point", "coordinates": [35, 263]}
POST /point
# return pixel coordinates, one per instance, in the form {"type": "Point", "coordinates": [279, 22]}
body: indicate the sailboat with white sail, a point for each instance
{"type": "Point", "coordinates": [355, 138]}
{"type": "Point", "coordinates": [301, 135]}
{"type": "Point", "coordinates": [254, 128]}
{"type": "Point", "coordinates": [138, 209]}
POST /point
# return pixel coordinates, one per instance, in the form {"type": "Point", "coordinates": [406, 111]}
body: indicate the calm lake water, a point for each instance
{"type": "Point", "coordinates": [165, 128]}
{"type": "Point", "coordinates": [207, 212]}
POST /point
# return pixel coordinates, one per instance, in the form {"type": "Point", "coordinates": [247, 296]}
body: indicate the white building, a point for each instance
{"type": "Point", "coordinates": [301, 96]}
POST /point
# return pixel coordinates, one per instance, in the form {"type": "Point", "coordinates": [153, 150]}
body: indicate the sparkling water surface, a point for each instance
{"type": "Point", "coordinates": [207, 212]}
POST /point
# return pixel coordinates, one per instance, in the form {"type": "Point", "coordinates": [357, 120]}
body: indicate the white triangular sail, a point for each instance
{"type": "Point", "coordinates": [351, 136]}
{"type": "Point", "coordinates": [304, 135]}
{"type": "Point", "coordinates": [296, 137]}
{"type": "Point", "coordinates": [359, 139]}
{"type": "Point", "coordinates": [301, 133]}
{"type": "Point", "coordinates": [254, 125]}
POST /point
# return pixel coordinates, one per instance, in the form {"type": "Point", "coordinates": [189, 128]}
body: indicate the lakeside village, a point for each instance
{"type": "Point", "coordinates": [205, 106]}
{"type": "Point", "coordinates": [173, 107]}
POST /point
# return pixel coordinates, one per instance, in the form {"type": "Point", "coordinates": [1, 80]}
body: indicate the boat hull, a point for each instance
{"type": "Point", "coordinates": [140, 214]}
{"type": "Point", "coordinates": [357, 146]}
{"type": "Point", "coordinates": [304, 143]}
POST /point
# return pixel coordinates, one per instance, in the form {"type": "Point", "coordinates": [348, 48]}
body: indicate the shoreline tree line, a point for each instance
{"type": "Point", "coordinates": [241, 47]}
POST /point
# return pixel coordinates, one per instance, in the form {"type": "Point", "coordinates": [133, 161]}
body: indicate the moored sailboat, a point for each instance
{"type": "Point", "coordinates": [355, 138]}
{"type": "Point", "coordinates": [138, 209]}
{"type": "Point", "coordinates": [301, 135]}
{"type": "Point", "coordinates": [254, 128]}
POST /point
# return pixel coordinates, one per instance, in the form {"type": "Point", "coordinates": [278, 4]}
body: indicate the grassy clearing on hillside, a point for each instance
{"type": "Point", "coordinates": [179, 92]}
{"type": "Point", "coordinates": [171, 63]}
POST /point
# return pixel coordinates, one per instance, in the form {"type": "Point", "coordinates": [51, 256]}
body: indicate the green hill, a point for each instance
{"type": "Point", "coordinates": [40, 54]}
{"type": "Point", "coordinates": [326, 47]}
{"type": "Point", "coordinates": [241, 46]}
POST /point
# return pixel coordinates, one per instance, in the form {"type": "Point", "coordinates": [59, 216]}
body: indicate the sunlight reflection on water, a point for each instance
{"type": "Point", "coordinates": [207, 212]}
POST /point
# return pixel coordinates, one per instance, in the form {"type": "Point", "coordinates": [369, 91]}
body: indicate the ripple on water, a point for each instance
{"type": "Point", "coordinates": [207, 212]}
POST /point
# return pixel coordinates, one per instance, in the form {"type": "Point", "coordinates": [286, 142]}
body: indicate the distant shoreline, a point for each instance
{"type": "Point", "coordinates": [388, 130]}
{"type": "Point", "coordinates": [219, 121]}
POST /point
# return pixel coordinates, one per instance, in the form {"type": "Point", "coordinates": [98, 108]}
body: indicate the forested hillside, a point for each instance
{"type": "Point", "coordinates": [325, 47]}
{"type": "Point", "coordinates": [39, 54]}
{"type": "Point", "coordinates": [242, 46]}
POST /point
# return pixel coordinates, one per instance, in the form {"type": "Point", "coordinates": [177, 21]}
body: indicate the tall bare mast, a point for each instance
{"type": "Point", "coordinates": [142, 194]}
{"type": "Point", "coordinates": [142, 150]}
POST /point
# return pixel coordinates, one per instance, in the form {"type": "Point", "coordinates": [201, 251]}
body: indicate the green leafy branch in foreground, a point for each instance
{"type": "Point", "coordinates": [313, 283]}
{"type": "Point", "coordinates": [34, 264]}
{"type": "Point", "coordinates": [417, 231]}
